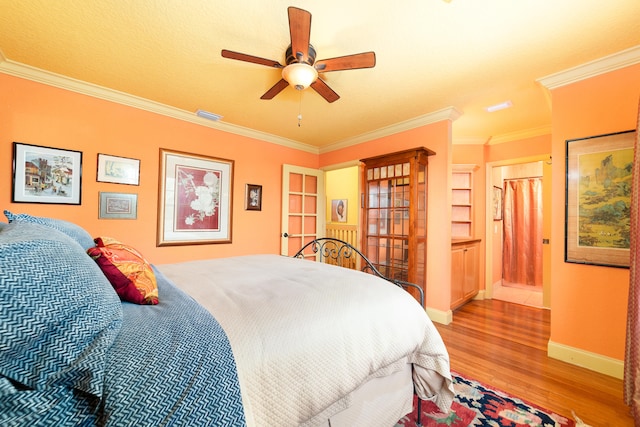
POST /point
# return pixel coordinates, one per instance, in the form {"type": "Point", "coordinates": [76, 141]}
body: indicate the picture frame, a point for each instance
{"type": "Point", "coordinates": [195, 199]}
{"type": "Point", "coordinates": [253, 197]}
{"type": "Point", "coordinates": [118, 205]}
{"type": "Point", "coordinates": [46, 175]}
{"type": "Point", "coordinates": [339, 210]}
{"type": "Point", "coordinates": [118, 170]}
{"type": "Point", "coordinates": [384, 222]}
{"type": "Point", "coordinates": [598, 199]}
{"type": "Point", "coordinates": [497, 203]}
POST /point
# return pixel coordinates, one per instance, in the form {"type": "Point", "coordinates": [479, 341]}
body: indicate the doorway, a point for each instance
{"type": "Point", "coordinates": [518, 253]}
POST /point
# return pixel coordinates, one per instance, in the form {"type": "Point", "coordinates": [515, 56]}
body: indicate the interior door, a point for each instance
{"type": "Point", "coordinates": [303, 207]}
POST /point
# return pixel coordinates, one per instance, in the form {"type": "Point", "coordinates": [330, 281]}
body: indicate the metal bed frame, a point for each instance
{"type": "Point", "coordinates": [338, 252]}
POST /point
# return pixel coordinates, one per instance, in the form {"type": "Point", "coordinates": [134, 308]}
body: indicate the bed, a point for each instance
{"type": "Point", "coordinates": [256, 340]}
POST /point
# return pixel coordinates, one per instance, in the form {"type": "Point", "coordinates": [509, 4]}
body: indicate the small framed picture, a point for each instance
{"type": "Point", "coordinates": [253, 197]}
{"type": "Point", "coordinates": [118, 206]}
{"type": "Point", "coordinates": [118, 170]}
{"type": "Point", "coordinates": [46, 175]}
{"type": "Point", "coordinates": [497, 203]}
{"type": "Point", "coordinates": [339, 210]}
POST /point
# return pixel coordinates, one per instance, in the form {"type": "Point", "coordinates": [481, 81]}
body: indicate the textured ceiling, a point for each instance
{"type": "Point", "coordinates": [431, 55]}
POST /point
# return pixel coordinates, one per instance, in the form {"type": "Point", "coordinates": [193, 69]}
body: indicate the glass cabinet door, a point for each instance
{"type": "Point", "coordinates": [396, 214]}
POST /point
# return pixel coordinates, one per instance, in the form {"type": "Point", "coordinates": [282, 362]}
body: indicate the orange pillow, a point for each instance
{"type": "Point", "coordinates": [128, 272]}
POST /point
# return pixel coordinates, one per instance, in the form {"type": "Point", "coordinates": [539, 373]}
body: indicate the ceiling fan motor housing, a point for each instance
{"type": "Point", "coordinates": [291, 58]}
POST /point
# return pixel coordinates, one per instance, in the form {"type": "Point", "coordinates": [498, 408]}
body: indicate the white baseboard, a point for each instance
{"type": "Point", "coordinates": [480, 295]}
{"type": "Point", "coordinates": [586, 359]}
{"type": "Point", "coordinates": [439, 316]}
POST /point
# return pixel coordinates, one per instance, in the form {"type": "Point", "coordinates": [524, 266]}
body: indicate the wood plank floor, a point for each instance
{"type": "Point", "coordinates": [505, 345]}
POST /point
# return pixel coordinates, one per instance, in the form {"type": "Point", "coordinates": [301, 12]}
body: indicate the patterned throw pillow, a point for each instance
{"type": "Point", "coordinates": [130, 274]}
{"type": "Point", "coordinates": [72, 230]}
{"type": "Point", "coordinates": [59, 314]}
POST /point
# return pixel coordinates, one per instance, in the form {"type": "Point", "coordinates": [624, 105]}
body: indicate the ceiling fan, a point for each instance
{"type": "Point", "coordinates": [301, 69]}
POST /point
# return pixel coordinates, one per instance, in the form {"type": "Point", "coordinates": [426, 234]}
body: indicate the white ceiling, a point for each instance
{"type": "Point", "coordinates": [431, 55]}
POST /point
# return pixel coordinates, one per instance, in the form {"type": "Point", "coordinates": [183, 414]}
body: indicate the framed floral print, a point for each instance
{"type": "Point", "coordinates": [195, 199]}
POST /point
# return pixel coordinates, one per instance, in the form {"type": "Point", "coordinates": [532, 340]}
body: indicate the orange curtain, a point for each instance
{"type": "Point", "coordinates": [632, 351]}
{"type": "Point", "coordinates": [522, 222]}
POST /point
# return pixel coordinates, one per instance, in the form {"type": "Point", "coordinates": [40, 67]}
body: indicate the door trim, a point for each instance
{"type": "Point", "coordinates": [488, 249]}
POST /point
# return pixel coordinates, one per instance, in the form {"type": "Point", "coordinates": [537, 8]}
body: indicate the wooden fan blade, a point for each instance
{"type": "Point", "coordinates": [300, 32]}
{"type": "Point", "coordinates": [325, 91]}
{"type": "Point", "coordinates": [275, 89]}
{"type": "Point", "coordinates": [349, 62]}
{"type": "Point", "coordinates": [250, 58]}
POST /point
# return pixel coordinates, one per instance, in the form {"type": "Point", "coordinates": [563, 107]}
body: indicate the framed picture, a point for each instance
{"type": "Point", "coordinates": [253, 197]}
{"type": "Point", "coordinates": [195, 199]}
{"type": "Point", "coordinates": [497, 203]}
{"type": "Point", "coordinates": [46, 175]}
{"type": "Point", "coordinates": [598, 191]}
{"type": "Point", "coordinates": [118, 206]}
{"type": "Point", "coordinates": [339, 210]}
{"type": "Point", "coordinates": [384, 221]}
{"type": "Point", "coordinates": [119, 170]}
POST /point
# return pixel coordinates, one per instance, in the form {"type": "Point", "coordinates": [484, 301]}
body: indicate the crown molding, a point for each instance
{"type": "Point", "coordinates": [449, 113]}
{"type": "Point", "coordinates": [603, 65]}
{"type": "Point", "coordinates": [56, 80]}
{"type": "Point", "coordinates": [469, 141]}
{"type": "Point", "coordinates": [521, 134]}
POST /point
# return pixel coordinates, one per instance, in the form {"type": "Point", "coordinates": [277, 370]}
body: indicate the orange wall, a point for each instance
{"type": "Point", "coordinates": [33, 113]}
{"type": "Point", "coordinates": [527, 147]}
{"type": "Point", "coordinates": [589, 303]}
{"type": "Point", "coordinates": [436, 137]}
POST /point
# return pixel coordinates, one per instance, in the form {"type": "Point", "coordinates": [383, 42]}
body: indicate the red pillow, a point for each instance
{"type": "Point", "coordinates": [129, 273]}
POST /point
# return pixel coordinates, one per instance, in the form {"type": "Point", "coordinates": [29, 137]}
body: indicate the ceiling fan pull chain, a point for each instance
{"type": "Point", "coordinates": [300, 110]}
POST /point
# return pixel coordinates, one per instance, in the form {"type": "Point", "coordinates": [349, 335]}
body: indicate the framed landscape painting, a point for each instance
{"type": "Point", "coordinates": [598, 191]}
{"type": "Point", "coordinates": [46, 175]}
{"type": "Point", "coordinates": [118, 170]}
{"type": "Point", "coordinates": [195, 199]}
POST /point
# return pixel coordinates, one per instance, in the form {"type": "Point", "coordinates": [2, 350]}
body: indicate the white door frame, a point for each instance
{"type": "Point", "coordinates": [488, 271]}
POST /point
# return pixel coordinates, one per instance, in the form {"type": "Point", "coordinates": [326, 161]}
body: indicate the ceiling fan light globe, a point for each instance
{"type": "Point", "coordinates": [299, 75]}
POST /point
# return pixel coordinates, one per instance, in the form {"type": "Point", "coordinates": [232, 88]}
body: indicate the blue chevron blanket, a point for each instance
{"type": "Point", "coordinates": [170, 365]}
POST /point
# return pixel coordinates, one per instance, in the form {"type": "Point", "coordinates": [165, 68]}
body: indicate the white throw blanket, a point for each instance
{"type": "Point", "coordinates": [305, 335]}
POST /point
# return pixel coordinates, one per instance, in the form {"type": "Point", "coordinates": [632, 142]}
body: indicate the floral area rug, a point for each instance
{"type": "Point", "coordinates": [476, 404]}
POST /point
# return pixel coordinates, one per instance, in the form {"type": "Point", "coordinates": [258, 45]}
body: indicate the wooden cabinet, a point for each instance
{"type": "Point", "coordinates": [394, 234]}
{"type": "Point", "coordinates": [465, 258]}
{"type": "Point", "coordinates": [462, 201]}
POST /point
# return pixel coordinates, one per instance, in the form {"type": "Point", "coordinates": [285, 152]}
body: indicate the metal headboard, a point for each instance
{"type": "Point", "coordinates": [335, 251]}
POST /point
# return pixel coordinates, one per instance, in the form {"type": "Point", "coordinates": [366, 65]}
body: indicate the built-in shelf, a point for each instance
{"type": "Point", "coordinates": [462, 201]}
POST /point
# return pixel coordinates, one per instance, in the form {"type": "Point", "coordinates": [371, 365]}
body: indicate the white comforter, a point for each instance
{"type": "Point", "coordinates": [305, 334]}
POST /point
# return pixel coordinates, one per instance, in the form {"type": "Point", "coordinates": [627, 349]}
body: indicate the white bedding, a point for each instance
{"type": "Point", "coordinates": [305, 335]}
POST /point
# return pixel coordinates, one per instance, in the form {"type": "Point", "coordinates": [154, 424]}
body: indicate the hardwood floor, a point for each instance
{"type": "Point", "coordinates": [505, 345]}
